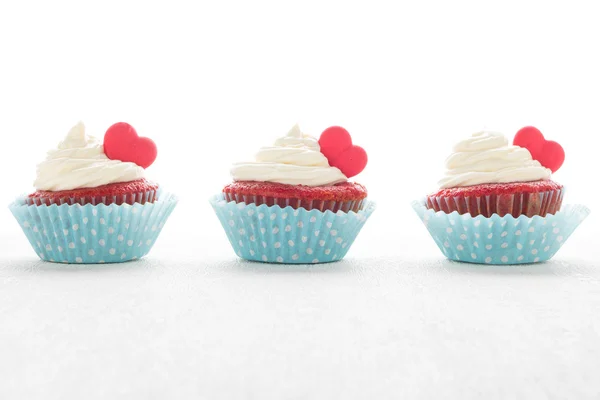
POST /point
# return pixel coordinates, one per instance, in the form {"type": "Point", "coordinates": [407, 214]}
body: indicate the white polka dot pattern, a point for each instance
{"type": "Point", "coordinates": [276, 235]}
{"type": "Point", "coordinates": [497, 240]}
{"type": "Point", "coordinates": [93, 234]}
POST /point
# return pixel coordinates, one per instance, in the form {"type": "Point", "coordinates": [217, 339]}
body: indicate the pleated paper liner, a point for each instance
{"type": "Point", "coordinates": [286, 235]}
{"type": "Point", "coordinates": [529, 204]}
{"type": "Point", "coordinates": [500, 240]}
{"type": "Point", "coordinates": [93, 234]}
{"type": "Point", "coordinates": [320, 205]}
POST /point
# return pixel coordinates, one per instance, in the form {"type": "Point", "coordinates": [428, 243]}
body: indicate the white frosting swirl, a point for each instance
{"type": "Point", "coordinates": [486, 157]}
{"type": "Point", "coordinates": [80, 162]}
{"type": "Point", "coordinates": [294, 159]}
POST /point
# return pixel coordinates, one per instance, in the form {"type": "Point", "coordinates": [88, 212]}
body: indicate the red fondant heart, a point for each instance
{"type": "Point", "coordinates": [121, 142]}
{"type": "Point", "coordinates": [550, 154]}
{"type": "Point", "coordinates": [336, 145]}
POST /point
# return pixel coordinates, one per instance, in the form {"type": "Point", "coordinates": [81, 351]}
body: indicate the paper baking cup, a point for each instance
{"type": "Point", "coordinates": [93, 234]}
{"type": "Point", "coordinates": [500, 240]}
{"type": "Point", "coordinates": [515, 204]}
{"type": "Point", "coordinates": [287, 235]}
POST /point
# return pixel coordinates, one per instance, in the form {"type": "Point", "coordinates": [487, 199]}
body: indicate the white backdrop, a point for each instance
{"type": "Point", "coordinates": [212, 81]}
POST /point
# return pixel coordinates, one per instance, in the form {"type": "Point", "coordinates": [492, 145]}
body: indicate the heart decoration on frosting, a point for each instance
{"type": "Point", "coordinates": [121, 142]}
{"type": "Point", "coordinates": [336, 146]}
{"type": "Point", "coordinates": [549, 153]}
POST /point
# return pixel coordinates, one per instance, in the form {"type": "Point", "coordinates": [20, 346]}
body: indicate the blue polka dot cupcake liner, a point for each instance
{"type": "Point", "coordinates": [500, 240]}
{"type": "Point", "coordinates": [93, 234]}
{"type": "Point", "coordinates": [286, 235]}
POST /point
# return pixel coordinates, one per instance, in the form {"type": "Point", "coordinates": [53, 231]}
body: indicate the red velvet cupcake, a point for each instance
{"type": "Point", "coordinates": [344, 197]}
{"type": "Point", "coordinates": [85, 171]}
{"type": "Point", "coordinates": [92, 203]}
{"type": "Point", "coordinates": [300, 171]}
{"type": "Point", "coordinates": [521, 198]}
{"type": "Point", "coordinates": [497, 204]}
{"type": "Point", "coordinates": [486, 176]}
{"type": "Point", "coordinates": [294, 204]}
{"type": "Point", "coordinates": [139, 191]}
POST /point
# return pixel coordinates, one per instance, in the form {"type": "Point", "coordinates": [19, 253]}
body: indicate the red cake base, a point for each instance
{"type": "Point", "coordinates": [520, 198]}
{"type": "Point", "coordinates": [140, 191]}
{"type": "Point", "coordinates": [341, 197]}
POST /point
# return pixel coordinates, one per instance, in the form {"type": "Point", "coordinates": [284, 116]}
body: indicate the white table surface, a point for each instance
{"type": "Point", "coordinates": [393, 320]}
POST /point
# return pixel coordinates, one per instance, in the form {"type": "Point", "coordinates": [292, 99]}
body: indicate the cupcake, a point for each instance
{"type": "Point", "coordinates": [92, 202]}
{"type": "Point", "coordinates": [486, 176]}
{"type": "Point", "coordinates": [294, 203]}
{"type": "Point", "coordinates": [497, 203]}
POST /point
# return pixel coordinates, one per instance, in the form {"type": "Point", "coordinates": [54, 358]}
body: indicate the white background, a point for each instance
{"type": "Point", "coordinates": [211, 82]}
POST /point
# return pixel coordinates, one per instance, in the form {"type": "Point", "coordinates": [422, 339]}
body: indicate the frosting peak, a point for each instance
{"type": "Point", "coordinates": [486, 157]}
{"type": "Point", "coordinates": [295, 138]}
{"type": "Point", "coordinates": [80, 162]}
{"type": "Point", "coordinates": [295, 132]}
{"type": "Point", "coordinates": [484, 140]}
{"type": "Point", "coordinates": [75, 137]}
{"type": "Point", "coordinates": [294, 159]}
